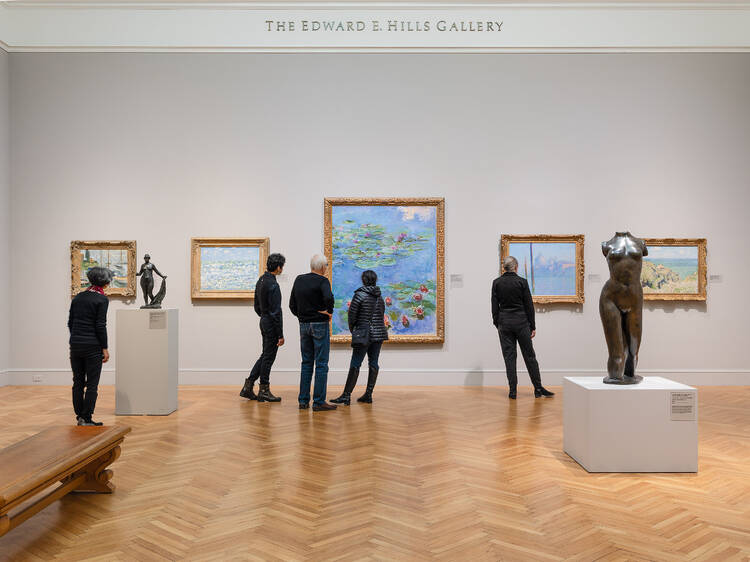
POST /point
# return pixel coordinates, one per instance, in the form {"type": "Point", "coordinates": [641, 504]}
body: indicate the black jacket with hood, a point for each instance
{"type": "Point", "coordinates": [367, 307]}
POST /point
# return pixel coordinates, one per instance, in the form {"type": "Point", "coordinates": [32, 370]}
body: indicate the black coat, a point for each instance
{"type": "Point", "coordinates": [268, 301]}
{"type": "Point", "coordinates": [511, 300]}
{"type": "Point", "coordinates": [367, 307]}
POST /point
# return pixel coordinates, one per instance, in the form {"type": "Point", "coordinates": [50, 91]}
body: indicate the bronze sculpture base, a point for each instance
{"type": "Point", "coordinates": [625, 380]}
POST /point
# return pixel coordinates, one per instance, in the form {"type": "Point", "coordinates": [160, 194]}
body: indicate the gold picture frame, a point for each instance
{"type": "Point", "coordinates": [198, 275]}
{"type": "Point", "coordinates": [438, 301]}
{"type": "Point", "coordinates": [701, 272]}
{"type": "Point", "coordinates": [117, 251]}
{"type": "Point", "coordinates": [578, 239]}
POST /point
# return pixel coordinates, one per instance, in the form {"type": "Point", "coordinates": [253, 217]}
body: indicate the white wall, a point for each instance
{"type": "Point", "coordinates": [162, 147]}
{"type": "Point", "coordinates": [4, 218]}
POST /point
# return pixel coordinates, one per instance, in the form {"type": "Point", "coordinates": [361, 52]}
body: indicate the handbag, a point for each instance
{"type": "Point", "coordinates": [361, 333]}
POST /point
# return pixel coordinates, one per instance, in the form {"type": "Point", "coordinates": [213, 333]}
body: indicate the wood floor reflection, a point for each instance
{"type": "Point", "coordinates": [422, 474]}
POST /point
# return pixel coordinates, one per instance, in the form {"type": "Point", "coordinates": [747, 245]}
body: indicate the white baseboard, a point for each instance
{"type": "Point", "coordinates": [395, 377]}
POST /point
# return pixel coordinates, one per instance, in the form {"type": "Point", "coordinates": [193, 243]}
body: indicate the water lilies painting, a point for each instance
{"type": "Point", "coordinates": [552, 265]}
{"type": "Point", "coordinates": [402, 241]}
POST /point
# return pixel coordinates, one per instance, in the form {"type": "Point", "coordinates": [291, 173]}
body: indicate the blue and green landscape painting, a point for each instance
{"type": "Point", "coordinates": [670, 269]}
{"type": "Point", "coordinates": [229, 268]}
{"type": "Point", "coordinates": [115, 260]}
{"type": "Point", "coordinates": [549, 267]}
{"type": "Point", "coordinates": [400, 245]}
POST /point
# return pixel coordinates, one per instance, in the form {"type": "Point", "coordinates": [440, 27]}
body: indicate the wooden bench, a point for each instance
{"type": "Point", "coordinates": [75, 457]}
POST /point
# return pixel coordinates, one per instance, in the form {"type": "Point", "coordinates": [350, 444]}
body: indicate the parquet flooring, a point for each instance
{"type": "Point", "coordinates": [422, 474]}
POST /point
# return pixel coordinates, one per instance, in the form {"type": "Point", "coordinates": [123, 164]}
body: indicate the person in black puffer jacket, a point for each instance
{"type": "Point", "coordinates": [367, 325]}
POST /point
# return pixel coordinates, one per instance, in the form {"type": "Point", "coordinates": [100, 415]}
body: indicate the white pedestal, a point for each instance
{"type": "Point", "coordinates": [146, 362]}
{"type": "Point", "coordinates": [647, 427]}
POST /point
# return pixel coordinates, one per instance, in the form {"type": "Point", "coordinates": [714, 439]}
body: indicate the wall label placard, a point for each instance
{"type": "Point", "coordinates": [157, 320]}
{"type": "Point", "coordinates": [682, 406]}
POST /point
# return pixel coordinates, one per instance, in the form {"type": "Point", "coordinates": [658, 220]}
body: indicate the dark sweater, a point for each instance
{"type": "Point", "coordinates": [87, 320]}
{"type": "Point", "coordinates": [268, 301]}
{"type": "Point", "coordinates": [311, 292]}
{"type": "Point", "coordinates": [368, 309]}
{"type": "Point", "coordinates": [511, 299]}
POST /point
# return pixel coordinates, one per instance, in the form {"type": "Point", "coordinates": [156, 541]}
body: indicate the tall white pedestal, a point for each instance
{"type": "Point", "coordinates": [647, 427]}
{"type": "Point", "coordinates": [146, 362]}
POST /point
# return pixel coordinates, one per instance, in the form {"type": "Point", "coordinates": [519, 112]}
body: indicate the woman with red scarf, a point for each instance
{"type": "Point", "coordinates": [87, 323]}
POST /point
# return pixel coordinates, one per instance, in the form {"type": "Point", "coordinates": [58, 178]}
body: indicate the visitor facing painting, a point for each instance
{"type": "Point", "coordinates": [312, 302]}
{"type": "Point", "coordinates": [367, 325]}
{"type": "Point", "coordinates": [513, 316]}
{"type": "Point", "coordinates": [268, 306]}
{"type": "Point", "coordinates": [87, 323]}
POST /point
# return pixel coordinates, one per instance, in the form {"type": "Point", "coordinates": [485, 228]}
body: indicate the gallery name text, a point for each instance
{"type": "Point", "coordinates": [387, 26]}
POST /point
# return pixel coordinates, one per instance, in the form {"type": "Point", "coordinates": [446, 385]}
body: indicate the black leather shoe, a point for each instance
{"type": "Point", "coordinates": [247, 390]}
{"type": "Point", "coordinates": [264, 394]}
{"type": "Point", "coordinates": [344, 399]}
{"type": "Point", "coordinates": [512, 394]}
{"type": "Point", "coordinates": [542, 392]}
{"type": "Point", "coordinates": [323, 407]}
{"type": "Point", "coordinates": [372, 378]}
{"type": "Point", "coordinates": [304, 406]}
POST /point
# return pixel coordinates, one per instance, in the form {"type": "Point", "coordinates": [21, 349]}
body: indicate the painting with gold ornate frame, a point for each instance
{"type": "Point", "coordinates": [403, 241]}
{"type": "Point", "coordinates": [555, 273]}
{"type": "Point", "coordinates": [117, 255]}
{"type": "Point", "coordinates": [675, 269]}
{"type": "Point", "coordinates": [226, 268]}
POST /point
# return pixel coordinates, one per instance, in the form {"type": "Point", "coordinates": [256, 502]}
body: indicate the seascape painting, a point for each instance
{"type": "Point", "coordinates": [551, 264]}
{"type": "Point", "coordinates": [116, 255]}
{"type": "Point", "coordinates": [227, 268]}
{"type": "Point", "coordinates": [402, 243]}
{"type": "Point", "coordinates": [114, 259]}
{"type": "Point", "coordinates": [671, 270]}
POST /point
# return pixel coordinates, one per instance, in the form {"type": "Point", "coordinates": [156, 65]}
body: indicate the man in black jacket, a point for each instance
{"type": "Point", "coordinates": [312, 302]}
{"type": "Point", "coordinates": [268, 306]}
{"type": "Point", "coordinates": [513, 316]}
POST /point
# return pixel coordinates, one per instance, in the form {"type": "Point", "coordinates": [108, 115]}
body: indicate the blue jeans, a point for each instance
{"type": "Point", "coordinates": [315, 344]}
{"type": "Point", "coordinates": [372, 351]}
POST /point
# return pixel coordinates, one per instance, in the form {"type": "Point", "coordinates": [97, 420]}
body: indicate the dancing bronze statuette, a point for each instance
{"type": "Point", "coordinates": [147, 284]}
{"type": "Point", "coordinates": [621, 306]}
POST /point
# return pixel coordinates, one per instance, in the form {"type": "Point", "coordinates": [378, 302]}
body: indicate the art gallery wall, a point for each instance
{"type": "Point", "coordinates": [4, 218]}
{"type": "Point", "coordinates": [162, 147]}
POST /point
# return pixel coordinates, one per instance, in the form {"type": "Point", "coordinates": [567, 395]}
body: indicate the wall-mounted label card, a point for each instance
{"type": "Point", "coordinates": [682, 406]}
{"type": "Point", "coordinates": [457, 281]}
{"type": "Point", "coordinates": [716, 278]}
{"type": "Point", "coordinates": [157, 320]}
{"type": "Point", "coordinates": [595, 277]}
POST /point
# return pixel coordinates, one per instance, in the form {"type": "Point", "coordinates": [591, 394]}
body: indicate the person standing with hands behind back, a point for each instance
{"type": "Point", "coordinates": [87, 323]}
{"type": "Point", "coordinates": [312, 302]}
{"type": "Point", "coordinates": [513, 316]}
{"type": "Point", "coordinates": [268, 306]}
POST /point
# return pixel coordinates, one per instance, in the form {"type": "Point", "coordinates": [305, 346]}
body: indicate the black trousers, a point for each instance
{"type": "Point", "coordinates": [514, 331]}
{"type": "Point", "coordinates": [86, 363]}
{"type": "Point", "coordinates": [262, 367]}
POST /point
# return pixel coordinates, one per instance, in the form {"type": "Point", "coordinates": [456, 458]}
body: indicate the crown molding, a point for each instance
{"type": "Point", "coordinates": [548, 27]}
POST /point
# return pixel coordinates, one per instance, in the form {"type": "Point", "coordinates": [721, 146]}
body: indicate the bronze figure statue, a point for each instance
{"type": "Point", "coordinates": [147, 284]}
{"type": "Point", "coordinates": [621, 306]}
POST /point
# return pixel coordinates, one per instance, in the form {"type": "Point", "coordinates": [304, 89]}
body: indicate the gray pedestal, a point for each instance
{"type": "Point", "coordinates": [146, 362]}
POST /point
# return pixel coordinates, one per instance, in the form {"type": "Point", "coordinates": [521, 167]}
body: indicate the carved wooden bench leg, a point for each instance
{"type": "Point", "coordinates": [98, 476]}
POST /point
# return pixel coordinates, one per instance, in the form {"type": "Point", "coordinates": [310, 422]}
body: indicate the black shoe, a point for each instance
{"type": "Point", "coordinates": [344, 399]}
{"type": "Point", "coordinates": [512, 393]}
{"type": "Point", "coordinates": [89, 422]}
{"type": "Point", "coordinates": [304, 406]}
{"type": "Point", "coordinates": [542, 392]}
{"type": "Point", "coordinates": [80, 420]}
{"type": "Point", "coordinates": [247, 390]}
{"type": "Point", "coordinates": [323, 407]}
{"type": "Point", "coordinates": [372, 378]}
{"type": "Point", "coordinates": [264, 394]}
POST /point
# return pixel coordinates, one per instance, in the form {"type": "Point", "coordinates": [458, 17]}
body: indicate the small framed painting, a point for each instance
{"type": "Point", "coordinates": [116, 255]}
{"type": "Point", "coordinates": [226, 268]}
{"type": "Point", "coordinates": [402, 240]}
{"type": "Point", "coordinates": [675, 269]}
{"type": "Point", "coordinates": [551, 263]}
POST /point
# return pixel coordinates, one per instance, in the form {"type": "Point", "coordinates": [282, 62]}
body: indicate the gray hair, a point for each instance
{"type": "Point", "coordinates": [318, 263]}
{"type": "Point", "coordinates": [510, 264]}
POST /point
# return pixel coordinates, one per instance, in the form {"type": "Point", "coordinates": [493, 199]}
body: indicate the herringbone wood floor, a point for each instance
{"type": "Point", "coordinates": [422, 474]}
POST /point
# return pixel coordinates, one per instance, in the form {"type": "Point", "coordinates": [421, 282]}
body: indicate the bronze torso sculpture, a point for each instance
{"type": "Point", "coordinates": [621, 306]}
{"type": "Point", "coordinates": [147, 284]}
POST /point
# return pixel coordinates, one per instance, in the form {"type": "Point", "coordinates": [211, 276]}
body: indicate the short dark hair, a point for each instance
{"type": "Point", "coordinates": [369, 278]}
{"type": "Point", "coordinates": [275, 261]}
{"type": "Point", "coordinates": [99, 276]}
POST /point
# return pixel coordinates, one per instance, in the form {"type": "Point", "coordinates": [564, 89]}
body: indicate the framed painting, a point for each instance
{"type": "Point", "coordinates": [117, 255]}
{"type": "Point", "coordinates": [551, 263]}
{"type": "Point", "coordinates": [403, 241]}
{"type": "Point", "coordinates": [226, 268]}
{"type": "Point", "coordinates": [675, 269]}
